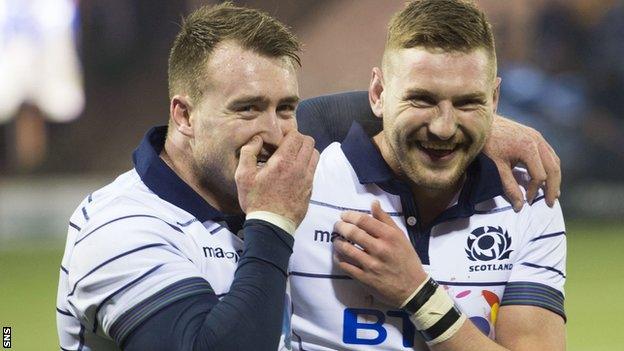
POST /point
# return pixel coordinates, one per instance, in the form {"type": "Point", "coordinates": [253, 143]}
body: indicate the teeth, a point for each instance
{"type": "Point", "coordinates": [436, 146]}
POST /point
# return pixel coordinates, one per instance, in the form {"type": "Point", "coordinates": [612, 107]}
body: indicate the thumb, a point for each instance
{"type": "Point", "coordinates": [249, 152]}
{"type": "Point", "coordinates": [380, 215]}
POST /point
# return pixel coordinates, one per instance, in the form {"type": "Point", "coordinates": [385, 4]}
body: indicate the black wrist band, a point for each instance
{"type": "Point", "coordinates": [421, 297]}
{"type": "Point", "coordinates": [442, 325]}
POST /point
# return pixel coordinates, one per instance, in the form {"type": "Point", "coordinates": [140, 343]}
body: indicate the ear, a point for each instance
{"type": "Point", "coordinates": [376, 92]}
{"type": "Point", "coordinates": [496, 96]}
{"type": "Point", "coordinates": [180, 113]}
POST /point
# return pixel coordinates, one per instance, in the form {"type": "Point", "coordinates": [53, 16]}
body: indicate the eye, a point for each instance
{"type": "Point", "coordinates": [286, 109]}
{"type": "Point", "coordinates": [421, 104]}
{"type": "Point", "coordinates": [469, 105]}
{"type": "Point", "coordinates": [246, 108]}
{"type": "Point", "coordinates": [422, 101]}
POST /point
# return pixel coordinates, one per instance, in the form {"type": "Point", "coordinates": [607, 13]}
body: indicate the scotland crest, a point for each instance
{"type": "Point", "coordinates": [488, 243]}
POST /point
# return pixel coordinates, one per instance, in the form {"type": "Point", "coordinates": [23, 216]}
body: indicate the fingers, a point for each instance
{"type": "Point", "coordinates": [511, 187]}
{"type": "Point", "coordinates": [367, 223]}
{"type": "Point", "coordinates": [355, 235]}
{"type": "Point", "coordinates": [313, 162]}
{"type": "Point", "coordinates": [553, 172]}
{"type": "Point", "coordinates": [536, 170]}
{"type": "Point", "coordinates": [352, 269]}
{"type": "Point", "coordinates": [289, 148]}
{"type": "Point", "coordinates": [347, 252]}
{"type": "Point", "coordinates": [381, 215]}
{"type": "Point", "coordinates": [311, 168]}
{"type": "Point", "coordinates": [249, 152]}
{"type": "Point", "coordinates": [306, 151]}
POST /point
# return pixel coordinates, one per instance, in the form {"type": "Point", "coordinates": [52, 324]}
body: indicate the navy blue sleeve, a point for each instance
{"type": "Point", "coordinates": [328, 118]}
{"type": "Point", "coordinates": [249, 317]}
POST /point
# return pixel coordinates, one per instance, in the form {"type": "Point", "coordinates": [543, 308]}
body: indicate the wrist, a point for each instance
{"type": "Point", "coordinates": [433, 312]}
{"type": "Point", "coordinates": [278, 220]}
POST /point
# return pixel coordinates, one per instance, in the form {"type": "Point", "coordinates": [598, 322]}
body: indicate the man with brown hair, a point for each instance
{"type": "Point", "coordinates": [441, 261]}
{"type": "Point", "coordinates": [153, 260]}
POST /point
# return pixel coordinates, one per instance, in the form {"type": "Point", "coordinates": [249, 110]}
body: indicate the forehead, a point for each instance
{"type": "Point", "coordinates": [233, 70]}
{"type": "Point", "coordinates": [435, 69]}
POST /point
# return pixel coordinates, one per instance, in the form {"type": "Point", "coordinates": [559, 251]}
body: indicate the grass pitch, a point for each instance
{"type": "Point", "coordinates": [595, 309]}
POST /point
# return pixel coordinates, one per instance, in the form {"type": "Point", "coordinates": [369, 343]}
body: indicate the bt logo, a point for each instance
{"type": "Point", "coordinates": [351, 326]}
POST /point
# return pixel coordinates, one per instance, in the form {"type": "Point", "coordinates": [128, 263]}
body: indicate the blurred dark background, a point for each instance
{"type": "Point", "coordinates": [81, 82]}
{"type": "Point", "coordinates": [562, 64]}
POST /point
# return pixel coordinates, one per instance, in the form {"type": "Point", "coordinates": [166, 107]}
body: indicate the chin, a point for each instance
{"type": "Point", "coordinates": [436, 179]}
{"type": "Point", "coordinates": [438, 183]}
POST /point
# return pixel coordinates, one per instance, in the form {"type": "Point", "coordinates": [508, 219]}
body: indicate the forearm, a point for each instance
{"type": "Point", "coordinates": [445, 328]}
{"type": "Point", "coordinates": [468, 338]}
{"type": "Point", "coordinates": [250, 315]}
{"type": "Point", "coordinates": [255, 302]}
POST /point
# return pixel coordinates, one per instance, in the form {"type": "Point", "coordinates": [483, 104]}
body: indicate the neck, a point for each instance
{"type": "Point", "coordinates": [433, 200]}
{"type": "Point", "coordinates": [178, 159]}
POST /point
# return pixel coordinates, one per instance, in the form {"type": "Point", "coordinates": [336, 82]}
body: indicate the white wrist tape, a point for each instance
{"type": "Point", "coordinates": [437, 306]}
{"type": "Point", "coordinates": [433, 312]}
{"type": "Point", "coordinates": [449, 332]}
{"type": "Point", "coordinates": [278, 220]}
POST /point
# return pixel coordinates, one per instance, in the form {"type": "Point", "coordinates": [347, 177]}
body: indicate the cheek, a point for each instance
{"type": "Point", "coordinates": [477, 126]}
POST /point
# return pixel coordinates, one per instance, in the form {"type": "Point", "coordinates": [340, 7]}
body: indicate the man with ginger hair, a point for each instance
{"type": "Point", "coordinates": [440, 261]}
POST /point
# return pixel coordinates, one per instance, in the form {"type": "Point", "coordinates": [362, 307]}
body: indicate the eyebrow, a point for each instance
{"type": "Point", "coordinates": [294, 99]}
{"type": "Point", "coordinates": [469, 97]}
{"type": "Point", "coordinates": [413, 92]}
{"type": "Point", "coordinates": [247, 100]}
{"type": "Point", "coordinates": [260, 100]}
{"type": "Point", "coordinates": [418, 92]}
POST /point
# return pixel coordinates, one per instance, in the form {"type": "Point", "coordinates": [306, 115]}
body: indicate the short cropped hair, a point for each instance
{"type": "Point", "coordinates": [208, 26]}
{"type": "Point", "coordinates": [450, 25]}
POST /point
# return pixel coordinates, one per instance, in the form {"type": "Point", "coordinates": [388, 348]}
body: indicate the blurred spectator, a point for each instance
{"type": "Point", "coordinates": [570, 84]}
{"type": "Point", "coordinates": [40, 72]}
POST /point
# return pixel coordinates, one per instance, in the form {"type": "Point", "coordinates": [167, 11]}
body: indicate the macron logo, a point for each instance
{"type": "Point", "coordinates": [217, 252]}
{"type": "Point", "coordinates": [325, 236]}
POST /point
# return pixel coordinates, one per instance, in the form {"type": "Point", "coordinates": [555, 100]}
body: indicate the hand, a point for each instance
{"type": "Point", "coordinates": [284, 184]}
{"type": "Point", "coordinates": [511, 143]}
{"type": "Point", "coordinates": [387, 263]}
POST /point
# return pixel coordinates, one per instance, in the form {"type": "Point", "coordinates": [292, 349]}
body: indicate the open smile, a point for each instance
{"type": "Point", "coordinates": [263, 157]}
{"type": "Point", "coordinates": [437, 151]}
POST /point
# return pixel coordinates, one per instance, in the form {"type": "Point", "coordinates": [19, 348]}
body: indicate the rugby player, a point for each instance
{"type": "Point", "coordinates": [155, 260]}
{"type": "Point", "coordinates": [152, 260]}
{"type": "Point", "coordinates": [443, 263]}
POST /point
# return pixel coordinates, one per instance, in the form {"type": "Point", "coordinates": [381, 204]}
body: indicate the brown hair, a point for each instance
{"type": "Point", "coordinates": [450, 25]}
{"type": "Point", "coordinates": [206, 27]}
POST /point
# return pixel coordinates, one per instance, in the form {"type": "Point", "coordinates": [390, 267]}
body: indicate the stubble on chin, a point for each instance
{"type": "Point", "coordinates": [421, 175]}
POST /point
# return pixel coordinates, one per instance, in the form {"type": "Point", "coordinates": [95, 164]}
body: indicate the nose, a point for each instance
{"type": "Point", "coordinates": [444, 124]}
{"type": "Point", "coordinates": [272, 128]}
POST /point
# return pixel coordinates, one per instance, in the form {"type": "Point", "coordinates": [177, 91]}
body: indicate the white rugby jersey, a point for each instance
{"type": "Point", "coordinates": [480, 251]}
{"type": "Point", "coordinates": [142, 242]}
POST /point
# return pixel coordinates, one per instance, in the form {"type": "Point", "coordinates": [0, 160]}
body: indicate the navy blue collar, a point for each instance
{"type": "Point", "coordinates": [165, 183]}
{"type": "Point", "coordinates": [482, 183]}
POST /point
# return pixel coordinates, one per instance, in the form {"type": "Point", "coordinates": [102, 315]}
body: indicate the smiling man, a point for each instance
{"type": "Point", "coordinates": [153, 260]}
{"type": "Point", "coordinates": [443, 262]}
